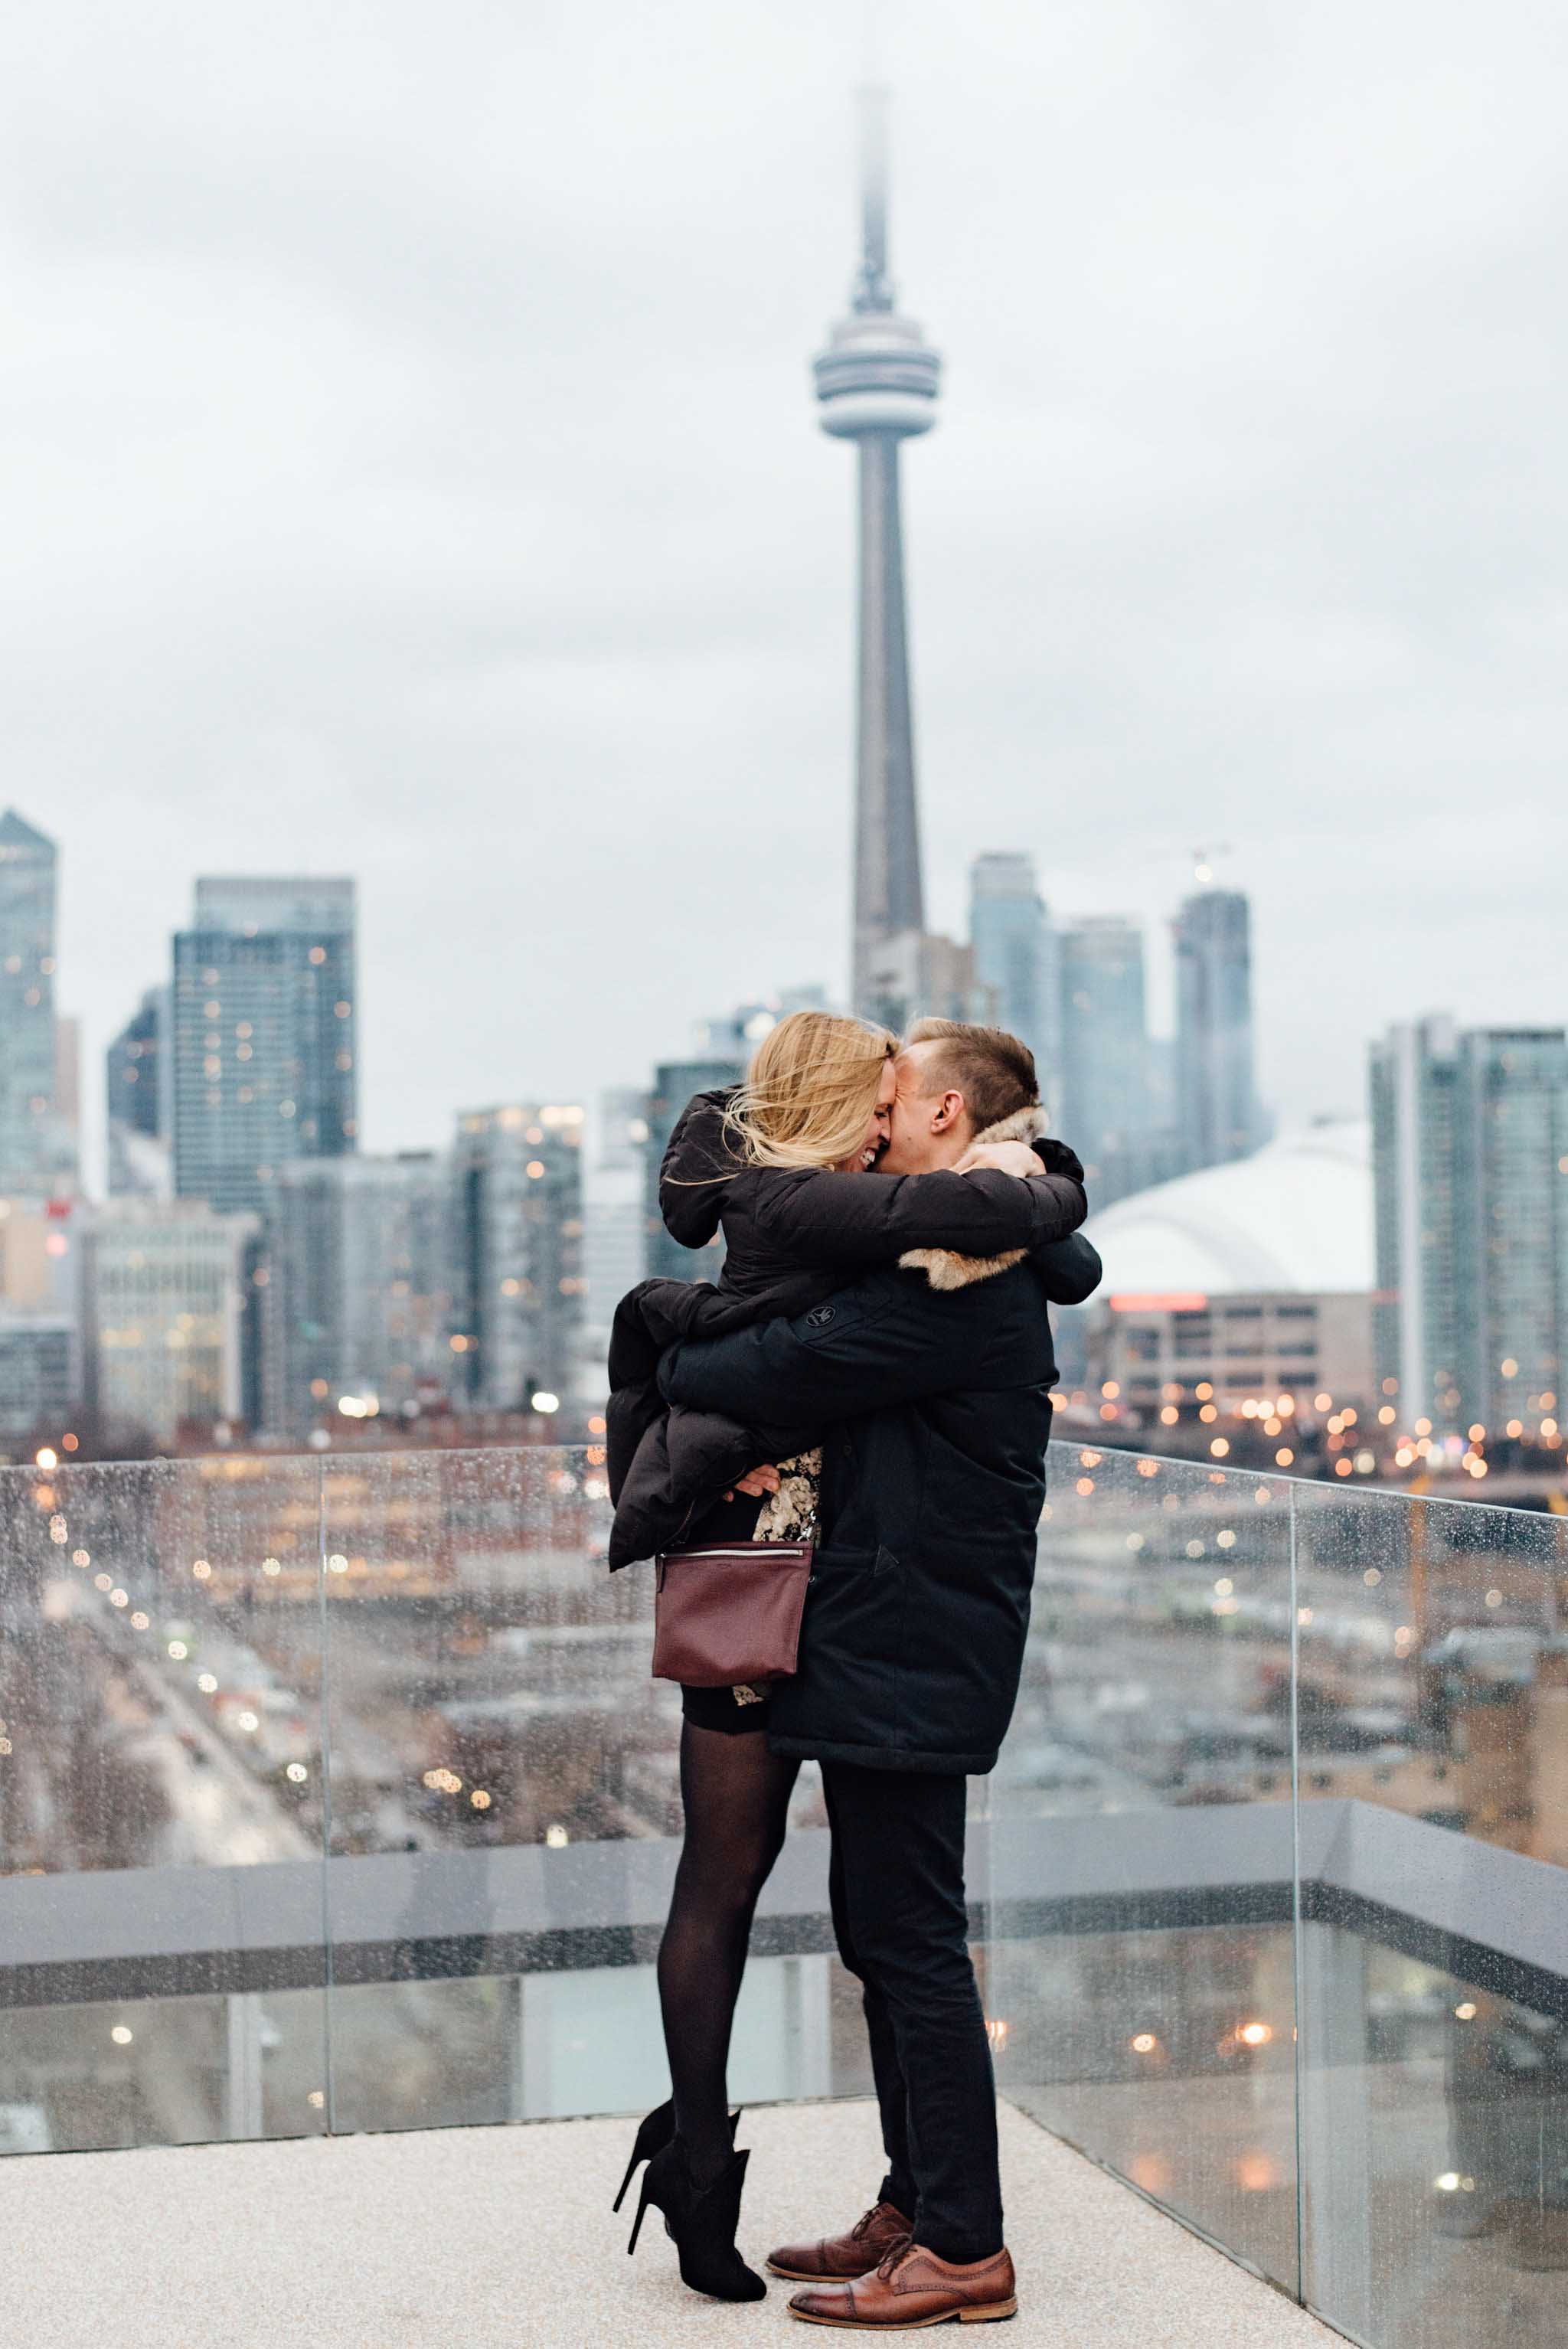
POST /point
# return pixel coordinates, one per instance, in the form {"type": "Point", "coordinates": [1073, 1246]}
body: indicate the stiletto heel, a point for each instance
{"type": "Point", "coordinates": [637, 2221]}
{"type": "Point", "coordinates": [653, 2135]}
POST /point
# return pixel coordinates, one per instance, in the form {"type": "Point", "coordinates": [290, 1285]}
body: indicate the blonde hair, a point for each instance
{"type": "Point", "coordinates": [810, 1091]}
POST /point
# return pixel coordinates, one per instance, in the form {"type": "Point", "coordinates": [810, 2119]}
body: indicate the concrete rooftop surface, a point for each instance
{"type": "Point", "coordinates": [503, 2238]}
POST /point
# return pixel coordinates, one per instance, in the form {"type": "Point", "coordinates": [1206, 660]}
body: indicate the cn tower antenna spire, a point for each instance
{"type": "Point", "coordinates": [873, 287]}
{"type": "Point", "coordinates": [876, 384]}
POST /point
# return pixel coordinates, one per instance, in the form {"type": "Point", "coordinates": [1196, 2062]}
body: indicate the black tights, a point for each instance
{"type": "Point", "coordinates": [736, 1795]}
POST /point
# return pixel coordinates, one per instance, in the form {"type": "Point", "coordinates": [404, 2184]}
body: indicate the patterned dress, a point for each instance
{"type": "Point", "coordinates": [789, 1515]}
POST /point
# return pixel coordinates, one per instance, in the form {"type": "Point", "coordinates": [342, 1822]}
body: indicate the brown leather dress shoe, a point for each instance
{"type": "Point", "coordinates": [836, 2257]}
{"type": "Point", "coordinates": [913, 2287]}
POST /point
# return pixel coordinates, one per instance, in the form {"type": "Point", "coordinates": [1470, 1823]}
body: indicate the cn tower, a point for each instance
{"type": "Point", "coordinates": [877, 385]}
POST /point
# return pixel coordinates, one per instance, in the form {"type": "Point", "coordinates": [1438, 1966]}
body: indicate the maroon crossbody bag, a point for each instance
{"type": "Point", "coordinates": [727, 1613]}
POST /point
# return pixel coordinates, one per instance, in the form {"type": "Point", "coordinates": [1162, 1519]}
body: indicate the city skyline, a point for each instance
{"type": "Point", "coordinates": [144, 1043]}
{"type": "Point", "coordinates": [531, 629]}
{"type": "Point", "coordinates": [1160, 940]}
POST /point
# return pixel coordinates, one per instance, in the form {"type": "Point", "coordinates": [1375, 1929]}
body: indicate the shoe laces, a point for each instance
{"type": "Point", "coordinates": [894, 2257]}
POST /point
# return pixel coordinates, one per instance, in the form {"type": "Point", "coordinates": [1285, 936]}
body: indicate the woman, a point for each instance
{"type": "Point", "coordinates": [780, 1167]}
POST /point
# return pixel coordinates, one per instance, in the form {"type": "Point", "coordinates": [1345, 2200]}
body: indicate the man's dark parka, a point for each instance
{"type": "Point", "coordinates": [934, 1405]}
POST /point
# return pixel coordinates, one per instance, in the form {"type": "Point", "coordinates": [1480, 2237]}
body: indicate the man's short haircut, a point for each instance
{"type": "Point", "coordinates": [992, 1070]}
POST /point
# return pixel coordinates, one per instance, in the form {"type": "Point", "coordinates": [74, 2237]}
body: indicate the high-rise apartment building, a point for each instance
{"type": "Point", "coordinates": [138, 1072]}
{"type": "Point", "coordinates": [1011, 939]}
{"type": "Point", "coordinates": [357, 1298]}
{"type": "Point", "coordinates": [162, 1288]}
{"type": "Point", "coordinates": [38, 1376]}
{"type": "Point", "coordinates": [517, 1266]}
{"type": "Point", "coordinates": [262, 1033]}
{"type": "Point", "coordinates": [37, 1152]}
{"type": "Point", "coordinates": [613, 1238]}
{"type": "Point", "coordinates": [1215, 1082]}
{"type": "Point", "coordinates": [1470, 1167]}
{"type": "Point", "coordinates": [1106, 1105]}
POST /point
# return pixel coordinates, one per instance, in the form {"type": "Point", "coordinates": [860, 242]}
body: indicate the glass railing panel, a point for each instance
{"type": "Point", "coordinates": [491, 1705]}
{"type": "Point", "coordinates": [1139, 1962]}
{"type": "Point", "coordinates": [490, 1691]}
{"type": "Point", "coordinates": [489, 1677]}
{"type": "Point", "coordinates": [159, 1692]}
{"type": "Point", "coordinates": [551, 2044]}
{"type": "Point", "coordinates": [1434, 1696]}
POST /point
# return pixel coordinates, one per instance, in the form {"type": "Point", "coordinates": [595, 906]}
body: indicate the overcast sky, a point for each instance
{"type": "Point", "coordinates": [410, 469]}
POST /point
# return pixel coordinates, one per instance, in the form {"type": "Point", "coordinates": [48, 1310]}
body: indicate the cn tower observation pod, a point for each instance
{"type": "Point", "coordinates": [877, 376]}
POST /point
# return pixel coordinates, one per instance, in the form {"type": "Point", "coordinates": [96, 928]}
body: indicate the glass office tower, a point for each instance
{"type": "Point", "coordinates": [1216, 1085]}
{"type": "Point", "coordinates": [1011, 939]}
{"type": "Point", "coordinates": [358, 1301]}
{"type": "Point", "coordinates": [138, 1100]}
{"type": "Point", "coordinates": [517, 1258]}
{"type": "Point", "coordinates": [1107, 1110]}
{"type": "Point", "coordinates": [35, 1149]}
{"type": "Point", "coordinates": [262, 1035]}
{"type": "Point", "coordinates": [1470, 1132]}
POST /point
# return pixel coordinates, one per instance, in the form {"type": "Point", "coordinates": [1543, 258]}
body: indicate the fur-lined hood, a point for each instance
{"type": "Point", "coordinates": [942, 1268]}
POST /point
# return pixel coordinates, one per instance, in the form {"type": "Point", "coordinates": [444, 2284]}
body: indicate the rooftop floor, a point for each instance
{"type": "Point", "coordinates": [503, 2238]}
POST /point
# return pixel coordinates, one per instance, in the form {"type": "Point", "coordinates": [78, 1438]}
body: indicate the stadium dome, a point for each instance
{"type": "Point", "coordinates": [1297, 1215]}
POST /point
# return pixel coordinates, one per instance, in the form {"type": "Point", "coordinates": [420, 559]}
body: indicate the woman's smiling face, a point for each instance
{"type": "Point", "coordinates": [876, 1136]}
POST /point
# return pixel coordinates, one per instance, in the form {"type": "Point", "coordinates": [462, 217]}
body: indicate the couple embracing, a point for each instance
{"type": "Point", "coordinates": [869, 1378]}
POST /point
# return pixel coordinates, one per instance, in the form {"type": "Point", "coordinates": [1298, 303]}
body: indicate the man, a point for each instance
{"type": "Point", "coordinates": [930, 1385]}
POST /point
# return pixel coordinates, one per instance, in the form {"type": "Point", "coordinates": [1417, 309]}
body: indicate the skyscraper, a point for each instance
{"type": "Point", "coordinates": [1216, 1085]}
{"type": "Point", "coordinates": [357, 1298]}
{"type": "Point", "coordinates": [1106, 1105]}
{"type": "Point", "coordinates": [38, 1378]}
{"type": "Point", "coordinates": [517, 1269]}
{"type": "Point", "coordinates": [1011, 939]}
{"type": "Point", "coordinates": [36, 1152]}
{"type": "Point", "coordinates": [1470, 1133]}
{"type": "Point", "coordinates": [613, 1239]}
{"type": "Point", "coordinates": [138, 1089]}
{"type": "Point", "coordinates": [261, 1034]}
{"type": "Point", "coordinates": [877, 383]}
{"type": "Point", "coordinates": [162, 1293]}
{"type": "Point", "coordinates": [68, 1094]}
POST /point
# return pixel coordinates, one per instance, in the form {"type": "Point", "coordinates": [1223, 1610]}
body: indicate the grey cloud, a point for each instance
{"type": "Point", "coordinates": [410, 469]}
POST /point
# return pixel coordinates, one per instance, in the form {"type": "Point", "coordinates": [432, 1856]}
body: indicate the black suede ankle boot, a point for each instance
{"type": "Point", "coordinates": [701, 2221]}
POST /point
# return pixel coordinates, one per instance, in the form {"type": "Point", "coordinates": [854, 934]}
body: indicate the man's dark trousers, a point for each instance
{"type": "Point", "coordinates": [896, 1885]}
